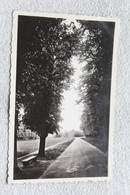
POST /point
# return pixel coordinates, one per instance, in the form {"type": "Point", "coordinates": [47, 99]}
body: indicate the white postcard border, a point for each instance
{"type": "Point", "coordinates": [13, 95]}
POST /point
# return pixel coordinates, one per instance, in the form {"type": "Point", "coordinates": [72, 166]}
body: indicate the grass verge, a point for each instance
{"type": "Point", "coordinates": [25, 147]}
{"type": "Point", "coordinates": [97, 142]}
{"type": "Point", "coordinates": [34, 171]}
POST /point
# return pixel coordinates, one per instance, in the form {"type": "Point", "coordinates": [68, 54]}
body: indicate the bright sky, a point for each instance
{"type": "Point", "coordinates": [71, 111]}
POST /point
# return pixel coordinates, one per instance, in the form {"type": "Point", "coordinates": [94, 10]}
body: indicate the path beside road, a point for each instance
{"type": "Point", "coordinates": [80, 159]}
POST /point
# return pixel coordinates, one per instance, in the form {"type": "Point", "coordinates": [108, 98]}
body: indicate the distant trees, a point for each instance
{"type": "Point", "coordinates": [78, 133]}
{"type": "Point", "coordinates": [96, 51]}
{"type": "Point", "coordinates": [26, 134]}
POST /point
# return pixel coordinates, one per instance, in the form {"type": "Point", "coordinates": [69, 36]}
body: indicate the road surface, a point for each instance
{"type": "Point", "coordinates": [80, 159]}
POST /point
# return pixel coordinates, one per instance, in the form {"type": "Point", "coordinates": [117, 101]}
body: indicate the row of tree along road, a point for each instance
{"type": "Point", "coordinates": [45, 50]}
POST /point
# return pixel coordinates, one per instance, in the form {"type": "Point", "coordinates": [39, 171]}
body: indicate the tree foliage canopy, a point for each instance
{"type": "Point", "coordinates": [44, 71]}
{"type": "Point", "coordinates": [96, 51]}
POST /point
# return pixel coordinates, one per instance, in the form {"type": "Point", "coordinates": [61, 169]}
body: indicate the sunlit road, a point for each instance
{"type": "Point", "coordinates": [80, 159]}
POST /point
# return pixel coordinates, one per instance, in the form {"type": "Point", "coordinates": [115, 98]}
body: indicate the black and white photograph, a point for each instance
{"type": "Point", "coordinates": [61, 97]}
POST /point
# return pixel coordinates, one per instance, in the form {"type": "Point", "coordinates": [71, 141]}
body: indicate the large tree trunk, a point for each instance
{"type": "Point", "coordinates": [42, 146]}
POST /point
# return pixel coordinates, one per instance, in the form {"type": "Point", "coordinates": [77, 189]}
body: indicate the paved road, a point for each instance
{"type": "Point", "coordinates": [80, 159]}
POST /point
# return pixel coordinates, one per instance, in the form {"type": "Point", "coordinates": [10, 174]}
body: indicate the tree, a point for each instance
{"type": "Point", "coordinates": [96, 49]}
{"type": "Point", "coordinates": [44, 70]}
